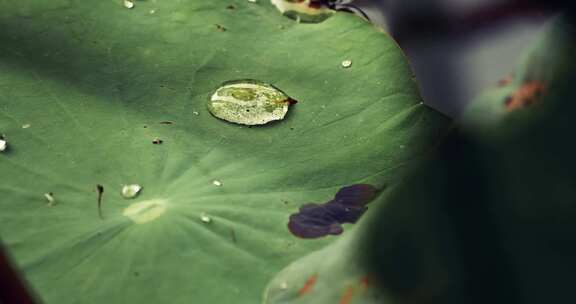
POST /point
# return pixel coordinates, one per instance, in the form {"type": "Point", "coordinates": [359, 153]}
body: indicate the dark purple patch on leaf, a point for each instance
{"type": "Point", "coordinates": [318, 220]}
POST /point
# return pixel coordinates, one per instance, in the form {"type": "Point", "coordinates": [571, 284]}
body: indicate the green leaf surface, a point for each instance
{"type": "Point", "coordinates": [334, 274]}
{"type": "Point", "coordinates": [86, 87]}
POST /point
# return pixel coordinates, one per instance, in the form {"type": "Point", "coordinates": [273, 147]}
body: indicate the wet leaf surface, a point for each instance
{"type": "Point", "coordinates": [94, 79]}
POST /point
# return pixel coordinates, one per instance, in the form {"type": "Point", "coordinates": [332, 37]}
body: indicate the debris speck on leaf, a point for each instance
{"type": "Point", "coordinates": [128, 4]}
{"type": "Point", "coordinates": [346, 63]}
{"type": "Point", "coordinates": [167, 122]}
{"type": "Point", "coordinates": [220, 27]}
{"type": "Point", "coordinates": [217, 183]}
{"type": "Point", "coordinates": [50, 198]}
{"type": "Point", "coordinates": [196, 113]}
{"type": "Point", "coordinates": [157, 141]}
{"type": "Point", "coordinates": [100, 192]}
{"type": "Point", "coordinates": [231, 7]}
{"type": "Point", "coordinates": [318, 220]}
{"type": "Point", "coordinates": [131, 191]}
{"type": "Point", "coordinates": [205, 218]}
{"type": "Point", "coordinates": [26, 126]}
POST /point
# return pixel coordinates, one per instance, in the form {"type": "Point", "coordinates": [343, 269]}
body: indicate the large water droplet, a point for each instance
{"type": "Point", "coordinates": [304, 10]}
{"type": "Point", "coordinates": [249, 102]}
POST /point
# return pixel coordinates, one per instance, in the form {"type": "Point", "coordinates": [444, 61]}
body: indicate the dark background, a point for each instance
{"type": "Point", "coordinates": [458, 48]}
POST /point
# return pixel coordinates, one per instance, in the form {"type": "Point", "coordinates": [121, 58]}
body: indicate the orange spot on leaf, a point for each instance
{"type": "Point", "coordinates": [347, 296]}
{"type": "Point", "coordinates": [529, 93]}
{"type": "Point", "coordinates": [308, 285]}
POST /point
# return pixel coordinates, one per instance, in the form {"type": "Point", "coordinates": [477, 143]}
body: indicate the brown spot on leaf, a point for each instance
{"type": "Point", "coordinates": [529, 93]}
{"type": "Point", "coordinates": [505, 81]}
{"type": "Point", "coordinates": [308, 285]}
{"type": "Point", "coordinates": [365, 282]}
{"type": "Point", "coordinates": [347, 296]}
{"type": "Point", "coordinates": [319, 220]}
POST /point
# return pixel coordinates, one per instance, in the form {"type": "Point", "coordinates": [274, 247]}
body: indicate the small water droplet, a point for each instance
{"type": "Point", "coordinates": [131, 191]}
{"type": "Point", "coordinates": [249, 102]}
{"type": "Point", "coordinates": [217, 183]}
{"type": "Point", "coordinates": [196, 113]}
{"type": "Point", "coordinates": [152, 11]}
{"type": "Point", "coordinates": [402, 146]}
{"type": "Point", "coordinates": [50, 198]}
{"type": "Point", "coordinates": [26, 126]}
{"type": "Point", "coordinates": [3, 143]}
{"type": "Point", "coordinates": [253, 1]}
{"type": "Point", "coordinates": [128, 4]}
{"type": "Point", "coordinates": [346, 63]}
{"type": "Point", "coordinates": [205, 218]}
